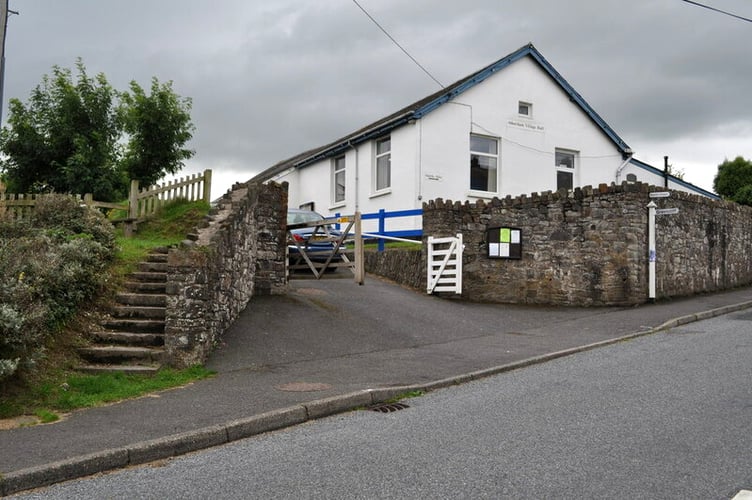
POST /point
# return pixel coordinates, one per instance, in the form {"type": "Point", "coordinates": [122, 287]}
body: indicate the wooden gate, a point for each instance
{"type": "Point", "coordinates": [325, 248]}
{"type": "Point", "coordinates": [445, 264]}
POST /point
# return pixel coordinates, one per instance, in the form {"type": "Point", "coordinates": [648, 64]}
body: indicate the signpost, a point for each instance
{"type": "Point", "coordinates": [666, 211]}
{"type": "Point", "coordinates": [653, 210]}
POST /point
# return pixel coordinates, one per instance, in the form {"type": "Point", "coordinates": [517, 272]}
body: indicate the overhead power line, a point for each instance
{"type": "Point", "coordinates": [714, 9]}
{"type": "Point", "coordinates": [397, 44]}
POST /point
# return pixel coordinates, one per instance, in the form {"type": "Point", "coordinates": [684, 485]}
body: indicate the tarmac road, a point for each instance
{"type": "Point", "coordinates": [660, 416]}
{"type": "Point", "coordinates": [323, 348]}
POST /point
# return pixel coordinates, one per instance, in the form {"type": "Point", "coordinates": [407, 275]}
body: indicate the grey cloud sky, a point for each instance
{"type": "Point", "coordinates": [271, 79]}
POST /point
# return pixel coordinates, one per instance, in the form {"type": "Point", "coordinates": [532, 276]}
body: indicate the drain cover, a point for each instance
{"type": "Point", "coordinates": [388, 407]}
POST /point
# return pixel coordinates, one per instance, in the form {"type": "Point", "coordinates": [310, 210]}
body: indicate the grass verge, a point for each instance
{"type": "Point", "coordinates": [167, 227]}
{"type": "Point", "coordinates": [47, 399]}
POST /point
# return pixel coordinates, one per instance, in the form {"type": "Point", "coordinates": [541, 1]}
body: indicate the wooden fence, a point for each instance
{"type": "Point", "coordinates": [141, 202]}
{"type": "Point", "coordinates": [144, 202]}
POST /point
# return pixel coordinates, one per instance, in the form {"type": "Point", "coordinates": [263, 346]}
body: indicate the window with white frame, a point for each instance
{"type": "Point", "coordinates": [525, 109]}
{"type": "Point", "coordinates": [484, 162]}
{"type": "Point", "coordinates": [566, 165]}
{"type": "Point", "coordinates": [338, 180]}
{"type": "Point", "coordinates": [383, 171]}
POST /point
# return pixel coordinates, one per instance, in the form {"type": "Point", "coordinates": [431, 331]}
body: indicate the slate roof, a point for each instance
{"type": "Point", "coordinates": [424, 106]}
{"type": "Point", "coordinates": [674, 179]}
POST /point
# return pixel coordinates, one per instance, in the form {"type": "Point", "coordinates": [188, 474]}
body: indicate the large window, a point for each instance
{"type": "Point", "coordinates": [383, 172]}
{"type": "Point", "coordinates": [484, 161]}
{"type": "Point", "coordinates": [338, 180]}
{"type": "Point", "coordinates": [566, 164]}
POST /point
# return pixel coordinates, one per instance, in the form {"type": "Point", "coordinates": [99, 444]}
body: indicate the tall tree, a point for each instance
{"type": "Point", "coordinates": [734, 180]}
{"type": "Point", "coordinates": [82, 136]}
{"type": "Point", "coordinates": [159, 126]}
{"type": "Point", "coordinates": [65, 138]}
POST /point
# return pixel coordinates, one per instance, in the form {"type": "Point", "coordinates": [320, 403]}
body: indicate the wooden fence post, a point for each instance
{"type": "Point", "coordinates": [360, 265]}
{"type": "Point", "coordinates": [207, 185]}
{"type": "Point", "coordinates": [133, 200]}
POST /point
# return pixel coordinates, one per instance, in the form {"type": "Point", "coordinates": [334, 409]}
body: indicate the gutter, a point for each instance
{"type": "Point", "coordinates": [629, 154]}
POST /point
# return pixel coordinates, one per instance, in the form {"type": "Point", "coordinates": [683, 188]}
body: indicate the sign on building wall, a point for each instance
{"type": "Point", "coordinates": [504, 243]}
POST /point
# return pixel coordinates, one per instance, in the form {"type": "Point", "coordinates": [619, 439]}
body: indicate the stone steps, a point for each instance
{"type": "Point", "coordinates": [131, 339]}
{"type": "Point", "coordinates": [142, 299]}
{"type": "Point", "coordinates": [121, 354]}
{"type": "Point", "coordinates": [141, 312]}
{"type": "Point", "coordinates": [134, 325]}
{"type": "Point", "coordinates": [144, 287]}
{"type": "Point", "coordinates": [124, 368]}
{"type": "Point", "coordinates": [148, 276]}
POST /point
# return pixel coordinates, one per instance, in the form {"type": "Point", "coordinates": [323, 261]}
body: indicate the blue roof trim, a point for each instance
{"type": "Point", "coordinates": [473, 80]}
{"type": "Point", "coordinates": [674, 179]}
{"type": "Point", "coordinates": [528, 50]}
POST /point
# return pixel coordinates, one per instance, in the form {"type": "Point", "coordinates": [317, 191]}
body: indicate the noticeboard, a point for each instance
{"type": "Point", "coordinates": [504, 243]}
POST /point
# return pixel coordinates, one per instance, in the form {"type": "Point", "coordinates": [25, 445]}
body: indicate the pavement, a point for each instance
{"type": "Point", "coordinates": [326, 347]}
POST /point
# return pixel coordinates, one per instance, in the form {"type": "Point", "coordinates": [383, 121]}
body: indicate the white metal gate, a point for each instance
{"type": "Point", "coordinates": [445, 264]}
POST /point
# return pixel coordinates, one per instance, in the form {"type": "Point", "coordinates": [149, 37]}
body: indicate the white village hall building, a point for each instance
{"type": "Point", "coordinates": [514, 127]}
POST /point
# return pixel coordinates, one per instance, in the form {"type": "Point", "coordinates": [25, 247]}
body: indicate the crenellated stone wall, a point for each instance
{"type": "Point", "coordinates": [239, 252]}
{"type": "Point", "coordinates": [589, 247]}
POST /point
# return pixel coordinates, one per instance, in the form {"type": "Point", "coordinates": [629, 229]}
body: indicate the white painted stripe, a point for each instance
{"type": "Point", "coordinates": [743, 495]}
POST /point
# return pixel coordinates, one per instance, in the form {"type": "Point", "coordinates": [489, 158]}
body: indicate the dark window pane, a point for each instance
{"type": "Point", "coordinates": [482, 173]}
{"type": "Point", "coordinates": [564, 180]}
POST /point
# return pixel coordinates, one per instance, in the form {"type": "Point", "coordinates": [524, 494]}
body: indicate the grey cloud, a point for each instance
{"type": "Point", "coordinates": [271, 79]}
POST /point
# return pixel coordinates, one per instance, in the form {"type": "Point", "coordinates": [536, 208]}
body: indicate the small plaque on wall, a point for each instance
{"type": "Point", "coordinates": [504, 243]}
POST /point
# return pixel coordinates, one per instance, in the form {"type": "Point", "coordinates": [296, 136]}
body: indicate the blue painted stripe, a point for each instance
{"type": "Point", "coordinates": [396, 213]}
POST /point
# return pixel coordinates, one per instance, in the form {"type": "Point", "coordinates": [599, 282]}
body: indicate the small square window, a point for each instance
{"type": "Point", "coordinates": [525, 109]}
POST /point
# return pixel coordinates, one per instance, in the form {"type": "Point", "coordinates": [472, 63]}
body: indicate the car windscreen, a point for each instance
{"type": "Point", "coordinates": [301, 217]}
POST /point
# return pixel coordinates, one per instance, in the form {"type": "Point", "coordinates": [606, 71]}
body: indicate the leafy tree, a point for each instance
{"type": "Point", "coordinates": [82, 136]}
{"type": "Point", "coordinates": [734, 180]}
{"type": "Point", "coordinates": [65, 139]}
{"type": "Point", "coordinates": [159, 125]}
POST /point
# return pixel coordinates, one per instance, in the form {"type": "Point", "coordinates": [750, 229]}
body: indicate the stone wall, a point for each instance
{"type": "Point", "coordinates": [400, 265]}
{"type": "Point", "coordinates": [589, 247]}
{"type": "Point", "coordinates": [706, 247]}
{"type": "Point", "coordinates": [211, 277]}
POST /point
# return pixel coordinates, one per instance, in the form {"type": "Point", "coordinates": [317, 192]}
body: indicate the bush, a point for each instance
{"type": "Point", "coordinates": [65, 217]}
{"type": "Point", "coordinates": [47, 269]}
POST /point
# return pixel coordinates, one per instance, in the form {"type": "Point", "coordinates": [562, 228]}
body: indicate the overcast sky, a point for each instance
{"type": "Point", "coordinates": [270, 79]}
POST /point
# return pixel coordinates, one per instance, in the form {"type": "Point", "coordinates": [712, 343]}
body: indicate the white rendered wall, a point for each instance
{"type": "Point", "coordinates": [526, 145]}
